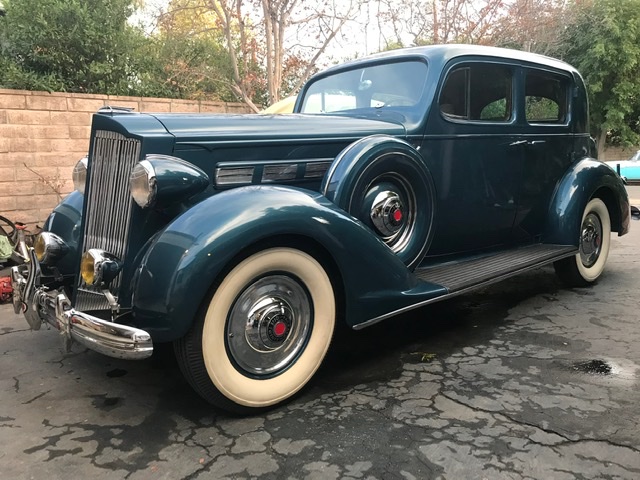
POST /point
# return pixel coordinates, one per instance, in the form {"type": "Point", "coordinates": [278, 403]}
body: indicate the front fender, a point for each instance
{"type": "Point", "coordinates": [66, 221]}
{"type": "Point", "coordinates": [587, 178]}
{"type": "Point", "coordinates": [189, 255]}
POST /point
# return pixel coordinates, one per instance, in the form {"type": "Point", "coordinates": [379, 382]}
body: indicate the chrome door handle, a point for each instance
{"type": "Point", "coordinates": [529, 143]}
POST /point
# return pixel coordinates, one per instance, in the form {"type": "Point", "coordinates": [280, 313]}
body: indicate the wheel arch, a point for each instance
{"type": "Point", "coordinates": [182, 262]}
{"type": "Point", "coordinates": [609, 198]}
{"type": "Point", "coordinates": [588, 178]}
{"type": "Point", "coordinates": [301, 242]}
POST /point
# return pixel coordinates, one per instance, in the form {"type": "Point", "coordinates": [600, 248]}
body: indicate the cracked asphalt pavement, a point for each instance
{"type": "Point", "coordinates": [522, 380]}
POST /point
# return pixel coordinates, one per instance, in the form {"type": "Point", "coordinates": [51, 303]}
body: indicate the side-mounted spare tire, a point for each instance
{"type": "Point", "coordinates": [384, 183]}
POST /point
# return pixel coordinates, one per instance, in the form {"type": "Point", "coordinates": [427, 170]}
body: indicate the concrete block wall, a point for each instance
{"type": "Point", "coordinates": [43, 135]}
{"type": "Point", "coordinates": [618, 153]}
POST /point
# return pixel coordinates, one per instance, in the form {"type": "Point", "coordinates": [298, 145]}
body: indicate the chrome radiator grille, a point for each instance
{"type": "Point", "coordinates": [109, 204]}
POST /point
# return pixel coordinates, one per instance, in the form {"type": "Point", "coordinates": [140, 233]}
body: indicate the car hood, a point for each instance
{"type": "Point", "coordinates": [220, 128]}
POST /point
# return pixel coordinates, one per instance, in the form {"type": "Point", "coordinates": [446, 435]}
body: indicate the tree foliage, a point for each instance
{"type": "Point", "coordinates": [426, 22]}
{"type": "Point", "coordinates": [71, 45]}
{"type": "Point", "coordinates": [273, 45]}
{"type": "Point", "coordinates": [531, 25]}
{"type": "Point", "coordinates": [190, 52]}
{"type": "Point", "coordinates": [602, 40]}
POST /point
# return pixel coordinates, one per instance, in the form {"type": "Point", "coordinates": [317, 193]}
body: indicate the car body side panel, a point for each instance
{"type": "Point", "coordinates": [183, 262]}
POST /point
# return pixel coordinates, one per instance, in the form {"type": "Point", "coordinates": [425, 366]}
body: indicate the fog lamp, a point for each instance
{"type": "Point", "coordinates": [50, 248]}
{"type": "Point", "coordinates": [99, 267]}
{"type": "Point", "coordinates": [79, 175]}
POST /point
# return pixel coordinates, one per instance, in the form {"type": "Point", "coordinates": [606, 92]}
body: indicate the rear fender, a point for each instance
{"type": "Point", "coordinates": [183, 262]}
{"type": "Point", "coordinates": [587, 179]}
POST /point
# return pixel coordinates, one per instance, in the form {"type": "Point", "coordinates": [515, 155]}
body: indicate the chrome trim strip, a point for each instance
{"type": "Point", "coordinates": [373, 321]}
{"type": "Point", "coordinates": [226, 176]}
{"type": "Point", "coordinates": [267, 171]}
{"type": "Point", "coordinates": [279, 172]}
{"type": "Point", "coordinates": [40, 304]}
{"type": "Point", "coordinates": [316, 169]}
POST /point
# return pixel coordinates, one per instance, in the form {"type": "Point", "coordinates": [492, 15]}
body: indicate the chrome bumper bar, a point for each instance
{"type": "Point", "coordinates": [40, 305]}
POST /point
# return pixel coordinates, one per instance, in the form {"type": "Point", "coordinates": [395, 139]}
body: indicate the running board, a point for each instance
{"type": "Point", "coordinates": [459, 277]}
{"type": "Point", "coordinates": [465, 275]}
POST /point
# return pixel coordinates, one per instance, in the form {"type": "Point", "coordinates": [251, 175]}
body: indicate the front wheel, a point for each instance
{"type": "Point", "coordinates": [264, 332]}
{"type": "Point", "coordinates": [595, 237]}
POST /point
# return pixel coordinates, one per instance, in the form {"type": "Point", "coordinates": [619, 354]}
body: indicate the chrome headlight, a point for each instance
{"type": "Point", "coordinates": [50, 248]}
{"type": "Point", "coordinates": [79, 174]}
{"type": "Point", "coordinates": [98, 266]}
{"type": "Point", "coordinates": [143, 184]}
{"type": "Point", "coordinates": [160, 180]}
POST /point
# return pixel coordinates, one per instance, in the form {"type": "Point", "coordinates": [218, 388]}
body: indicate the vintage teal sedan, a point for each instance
{"type": "Point", "coordinates": [401, 179]}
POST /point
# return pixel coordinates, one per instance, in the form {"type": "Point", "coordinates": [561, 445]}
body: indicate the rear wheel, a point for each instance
{"type": "Point", "coordinates": [264, 332]}
{"type": "Point", "coordinates": [595, 237]}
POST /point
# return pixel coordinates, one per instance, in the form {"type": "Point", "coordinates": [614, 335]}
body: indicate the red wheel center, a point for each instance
{"type": "Point", "coordinates": [279, 329]}
{"type": "Point", "coordinates": [397, 215]}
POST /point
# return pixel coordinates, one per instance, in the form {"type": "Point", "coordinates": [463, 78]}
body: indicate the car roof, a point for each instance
{"type": "Point", "coordinates": [440, 54]}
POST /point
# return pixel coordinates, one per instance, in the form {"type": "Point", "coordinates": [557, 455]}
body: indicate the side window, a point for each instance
{"type": "Point", "coordinates": [477, 92]}
{"type": "Point", "coordinates": [546, 98]}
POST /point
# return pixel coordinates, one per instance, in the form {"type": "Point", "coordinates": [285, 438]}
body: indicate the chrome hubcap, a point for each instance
{"type": "Point", "coordinates": [390, 204]}
{"type": "Point", "coordinates": [269, 325]}
{"type": "Point", "coordinates": [590, 240]}
{"type": "Point", "coordinates": [387, 214]}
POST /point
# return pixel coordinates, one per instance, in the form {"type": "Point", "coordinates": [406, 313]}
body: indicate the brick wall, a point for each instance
{"type": "Point", "coordinates": [618, 153]}
{"type": "Point", "coordinates": [43, 135]}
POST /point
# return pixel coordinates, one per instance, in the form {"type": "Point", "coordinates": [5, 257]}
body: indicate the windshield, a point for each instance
{"type": "Point", "coordinates": [394, 86]}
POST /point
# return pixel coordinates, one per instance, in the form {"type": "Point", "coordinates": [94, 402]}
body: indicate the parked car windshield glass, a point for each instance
{"type": "Point", "coordinates": [393, 86]}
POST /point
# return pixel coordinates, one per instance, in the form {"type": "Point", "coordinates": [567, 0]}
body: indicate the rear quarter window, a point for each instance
{"type": "Point", "coordinates": [546, 98]}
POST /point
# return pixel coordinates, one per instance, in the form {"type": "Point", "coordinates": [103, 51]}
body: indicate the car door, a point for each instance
{"type": "Point", "coordinates": [469, 148]}
{"type": "Point", "coordinates": [546, 143]}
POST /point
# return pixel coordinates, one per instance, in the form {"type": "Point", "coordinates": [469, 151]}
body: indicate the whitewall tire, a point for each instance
{"type": "Point", "coordinates": [264, 332]}
{"type": "Point", "coordinates": [595, 239]}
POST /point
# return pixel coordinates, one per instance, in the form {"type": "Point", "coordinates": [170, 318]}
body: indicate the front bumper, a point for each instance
{"type": "Point", "coordinates": [39, 305]}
